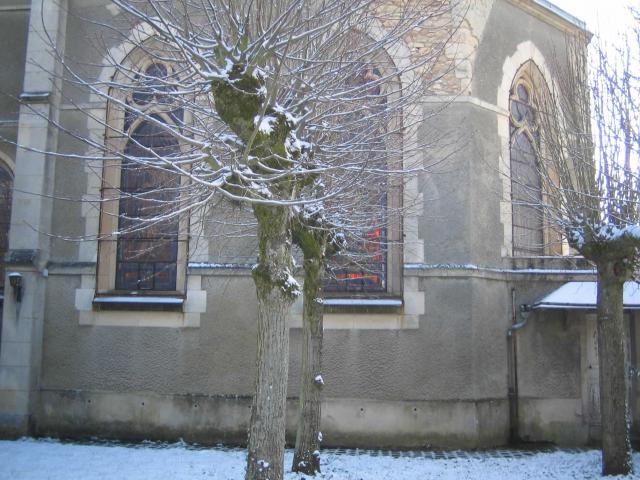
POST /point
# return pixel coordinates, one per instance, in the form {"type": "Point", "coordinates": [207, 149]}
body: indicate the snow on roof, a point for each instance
{"type": "Point", "coordinates": [582, 295]}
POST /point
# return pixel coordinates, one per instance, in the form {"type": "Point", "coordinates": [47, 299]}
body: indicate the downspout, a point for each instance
{"type": "Point", "coordinates": [633, 372]}
{"type": "Point", "coordinates": [512, 366]}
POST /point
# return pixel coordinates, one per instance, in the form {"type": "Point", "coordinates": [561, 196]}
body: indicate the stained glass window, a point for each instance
{"type": "Point", "coordinates": [526, 188]}
{"type": "Point", "coordinates": [148, 243]}
{"type": "Point", "coordinates": [148, 228]}
{"type": "Point", "coordinates": [363, 265]}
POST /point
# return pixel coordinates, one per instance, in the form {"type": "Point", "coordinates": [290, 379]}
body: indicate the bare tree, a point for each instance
{"type": "Point", "coordinates": [323, 234]}
{"type": "Point", "coordinates": [316, 245]}
{"type": "Point", "coordinates": [588, 153]}
{"type": "Point", "coordinates": [342, 223]}
{"type": "Point", "coordinates": [252, 101]}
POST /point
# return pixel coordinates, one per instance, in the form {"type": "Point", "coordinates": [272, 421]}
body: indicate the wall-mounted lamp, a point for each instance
{"type": "Point", "coordinates": [15, 280]}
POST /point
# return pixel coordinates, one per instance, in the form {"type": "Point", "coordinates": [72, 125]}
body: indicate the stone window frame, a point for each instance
{"type": "Point", "coordinates": [409, 307]}
{"type": "Point", "coordinates": [525, 54]}
{"type": "Point", "coordinates": [394, 224]}
{"type": "Point", "coordinates": [532, 80]}
{"type": "Point", "coordinates": [138, 60]}
{"type": "Point", "coordinates": [531, 239]}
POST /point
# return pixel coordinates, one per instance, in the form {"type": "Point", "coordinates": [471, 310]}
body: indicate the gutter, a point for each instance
{"type": "Point", "coordinates": [15, 8]}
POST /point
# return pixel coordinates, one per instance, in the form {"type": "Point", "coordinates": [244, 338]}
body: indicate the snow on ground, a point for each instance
{"type": "Point", "coordinates": [53, 460]}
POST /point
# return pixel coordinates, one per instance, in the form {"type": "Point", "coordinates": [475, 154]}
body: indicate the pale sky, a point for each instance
{"type": "Point", "coordinates": [605, 16]}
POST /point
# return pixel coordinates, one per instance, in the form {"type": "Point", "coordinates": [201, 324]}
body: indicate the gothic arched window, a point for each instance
{"type": "Point", "coordinates": [372, 260]}
{"type": "Point", "coordinates": [526, 185]}
{"type": "Point", "coordinates": [142, 248]}
{"type": "Point", "coordinates": [147, 246]}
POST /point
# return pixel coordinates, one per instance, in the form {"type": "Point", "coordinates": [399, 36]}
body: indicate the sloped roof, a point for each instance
{"type": "Point", "coordinates": [582, 296]}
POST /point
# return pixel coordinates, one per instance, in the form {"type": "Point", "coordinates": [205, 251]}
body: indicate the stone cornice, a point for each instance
{"type": "Point", "coordinates": [551, 14]}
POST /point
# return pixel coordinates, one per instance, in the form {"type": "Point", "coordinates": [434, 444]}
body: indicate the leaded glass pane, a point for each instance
{"type": "Point", "coordinates": [148, 243]}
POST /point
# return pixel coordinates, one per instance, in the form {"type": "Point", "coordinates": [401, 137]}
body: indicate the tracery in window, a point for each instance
{"type": "Point", "coordinates": [533, 233]}
{"type": "Point", "coordinates": [526, 185]}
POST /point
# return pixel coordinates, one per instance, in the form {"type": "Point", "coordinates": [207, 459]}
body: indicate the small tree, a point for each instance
{"type": "Point", "coordinates": [322, 232]}
{"type": "Point", "coordinates": [316, 245]}
{"type": "Point", "coordinates": [325, 227]}
{"type": "Point", "coordinates": [588, 162]}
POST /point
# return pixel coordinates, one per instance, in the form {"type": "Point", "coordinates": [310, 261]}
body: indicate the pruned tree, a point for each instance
{"type": "Point", "coordinates": [341, 224]}
{"type": "Point", "coordinates": [317, 243]}
{"type": "Point", "coordinates": [588, 153]}
{"type": "Point", "coordinates": [255, 102]}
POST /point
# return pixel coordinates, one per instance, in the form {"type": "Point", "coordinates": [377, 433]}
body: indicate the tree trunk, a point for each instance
{"type": "Point", "coordinates": [306, 458]}
{"type": "Point", "coordinates": [616, 446]}
{"type": "Point", "coordinates": [265, 459]}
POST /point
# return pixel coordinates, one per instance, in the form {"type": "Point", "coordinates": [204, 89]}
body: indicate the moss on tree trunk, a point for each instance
{"type": "Point", "coordinates": [275, 296]}
{"type": "Point", "coordinates": [240, 102]}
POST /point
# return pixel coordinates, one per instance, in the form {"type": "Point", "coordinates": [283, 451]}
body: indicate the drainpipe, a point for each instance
{"type": "Point", "coordinates": [512, 365]}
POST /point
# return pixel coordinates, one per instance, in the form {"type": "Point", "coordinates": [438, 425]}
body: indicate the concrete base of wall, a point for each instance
{"type": "Point", "coordinates": [224, 419]}
{"type": "Point", "coordinates": [13, 426]}
{"type": "Point", "coordinates": [415, 424]}
{"type": "Point", "coordinates": [559, 421]}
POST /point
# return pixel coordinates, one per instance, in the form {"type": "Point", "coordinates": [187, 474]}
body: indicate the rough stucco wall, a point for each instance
{"type": "Point", "coordinates": [69, 190]}
{"type": "Point", "coordinates": [443, 224]}
{"type": "Point", "coordinates": [87, 45]}
{"type": "Point", "coordinates": [229, 232]}
{"type": "Point", "coordinates": [13, 35]}
{"type": "Point", "coordinates": [551, 406]}
{"type": "Point", "coordinates": [548, 348]}
{"type": "Point", "coordinates": [490, 310]}
{"type": "Point", "coordinates": [431, 363]}
{"type": "Point", "coordinates": [217, 358]}
{"type": "Point", "coordinates": [462, 194]}
{"type": "Point", "coordinates": [507, 26]}
{"type": "Point", "coordinates": [457, 353]}
{"type": "Point", "coordinates": [485, 227]}
{"type": "Point", "coordinates": [549, 356]}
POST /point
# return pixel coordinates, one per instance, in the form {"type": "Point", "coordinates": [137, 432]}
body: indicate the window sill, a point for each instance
{"type": "Point", "coordinates": [362, 305]}
{"type": "Point", "coordinates": [362, 313]}
{"type": "Point", "coordinates": [116, 309]}
{"type": "Point", "coordinates": [139, 303]}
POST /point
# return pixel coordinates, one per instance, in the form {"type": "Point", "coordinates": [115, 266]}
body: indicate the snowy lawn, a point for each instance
{"type": "Point", "coordinates": [49, 459]}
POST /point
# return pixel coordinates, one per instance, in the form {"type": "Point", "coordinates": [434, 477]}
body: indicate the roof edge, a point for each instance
{"type": "Point", "coordinates": [582, 295]}
{"type": "Point", "coordinates": [552, 7]}
{"type": "Point", "coordinates": [552, 14]}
